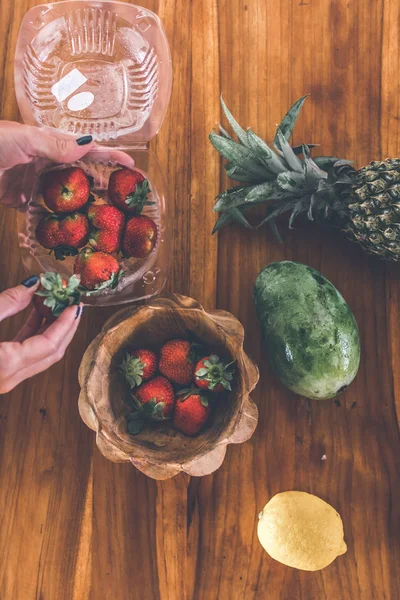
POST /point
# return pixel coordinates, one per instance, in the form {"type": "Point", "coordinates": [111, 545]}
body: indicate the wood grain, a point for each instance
{"type": "Point", "coordinates": [75, 526]}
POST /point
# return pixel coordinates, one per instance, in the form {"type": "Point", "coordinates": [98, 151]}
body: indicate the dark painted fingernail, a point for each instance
{"type": "Point", "coordinates": [86, 139]}
{"type": "Point", "coordinates": [30, 281]}
{"type": "Point", "coordinates": [78, 312]}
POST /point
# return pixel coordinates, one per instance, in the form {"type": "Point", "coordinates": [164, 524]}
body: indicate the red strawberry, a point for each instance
{"type": "Point", "coordinates": [154, 401]}
{"type": "Point", "coordinates": [65, 191]}
{"type": "Point", "coordinates": [98, 270]}
{"type": "Point", "coordinates": [63, 234]}
{"type": "Point", "coordinates": [140, 237]}
{"type": "Point", "coordinates": [212, 374]}
{"type": "Point", "coordinates": [55, 294]}
{"type": "Point", "coordinates": [177, 361]}
{"type": "Point", "coordinates": [192, 410]}
{"type": "Point", "coordinates": [128, 189]}
{"type": "Point", "coordinates": [108, 223]}
{"type": "Point", "coordinates": [138, 366]}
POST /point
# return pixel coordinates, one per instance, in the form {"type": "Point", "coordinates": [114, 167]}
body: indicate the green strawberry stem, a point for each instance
{"type": "Point", "coordinates": [57, 296]}
{"type": "Point", "coordinates": [184, 394]}
{"type": "Point", "coordinates": [144, 413]}
{"type": "Point", "coordinates": [215, 372]}
{"type": "Point", "coordinates": [132, 369]}
{"type": "Point", "coordinates": [138, 198]}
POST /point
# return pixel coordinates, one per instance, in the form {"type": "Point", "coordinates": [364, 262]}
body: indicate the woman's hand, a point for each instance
{"type": "Point", "coordinates": [35, 347]}
{"type": "Point", "coordinates": [21, 144]}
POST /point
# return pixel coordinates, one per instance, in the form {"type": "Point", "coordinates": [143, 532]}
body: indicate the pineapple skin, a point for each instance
{"type": "Point", "coordinates": [373, 209]}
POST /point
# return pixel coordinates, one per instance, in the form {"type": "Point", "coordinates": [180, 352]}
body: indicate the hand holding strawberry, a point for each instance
{"type": "Point", "coordinates": [55, 294]}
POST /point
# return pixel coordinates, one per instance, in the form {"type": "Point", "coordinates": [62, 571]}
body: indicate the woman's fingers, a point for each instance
{"type": "Point", "coordinates": [15, 299]}
{"type": "Point", "coordinates": [40, 352]}
{"type": "Point", "coordinates": [30, 328]}
{"type": "Point", "coordinates": [57, 147]}
{"type": "Point", "coordinates": [22, 143]}
{"type": "Point", "coordinates": [54, 340]}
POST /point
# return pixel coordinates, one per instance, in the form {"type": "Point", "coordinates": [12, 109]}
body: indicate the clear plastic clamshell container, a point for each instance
{"type": "Point", "coordinates": [101, 69]}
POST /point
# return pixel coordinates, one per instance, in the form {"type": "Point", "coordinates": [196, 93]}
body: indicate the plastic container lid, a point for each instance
{"type": "Point", "coordinates": [94, 68]}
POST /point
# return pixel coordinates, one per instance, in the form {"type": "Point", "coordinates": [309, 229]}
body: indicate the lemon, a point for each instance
{"type": "Point", "coordinates": [300, 530]}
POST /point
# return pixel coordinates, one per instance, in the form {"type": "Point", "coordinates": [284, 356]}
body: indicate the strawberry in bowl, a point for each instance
{"type": "Point", "coordinates": [138, 366]}
{"type": "Point", "coordinates": [192, 411]}
{"type": "Point", "coordinates": [177, 361]}
{"type": "Point", "coordinates": [213, 374]}
{"type": "Point", "coordinates": [154, 400]}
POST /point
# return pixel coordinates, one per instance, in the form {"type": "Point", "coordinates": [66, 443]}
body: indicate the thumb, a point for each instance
{"type": "Point", "coordinates": [58, 147]}
{"type": "Point", "coordinates": [15, 299]}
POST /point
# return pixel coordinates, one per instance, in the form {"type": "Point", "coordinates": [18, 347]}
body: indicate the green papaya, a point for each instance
{"type": "Point", "coordinates": [310, 334]}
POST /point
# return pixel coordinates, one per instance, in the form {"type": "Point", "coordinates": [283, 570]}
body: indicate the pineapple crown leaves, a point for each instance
{"type": "Point", "coordinates": [138, 198]}
{"type": "Point", "coordinates": [214, 371]}
{"type": "Point", "coordinates": [185, 393]}
{"type": "Point", "coordinates": [285, 178]}
{"type": "Point", "coordinates": [132, 369]}
{"type": "Point", "coordinates": [56, 296]}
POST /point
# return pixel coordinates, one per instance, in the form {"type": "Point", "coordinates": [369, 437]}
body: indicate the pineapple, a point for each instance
{"type": "Point", "coordinates": [364, 203]}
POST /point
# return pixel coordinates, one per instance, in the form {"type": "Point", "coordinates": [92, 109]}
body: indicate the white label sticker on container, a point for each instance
{"type": "Point", "coordinates": [68, 84]}
{"type": "Point", "coordinates": [80, 101]}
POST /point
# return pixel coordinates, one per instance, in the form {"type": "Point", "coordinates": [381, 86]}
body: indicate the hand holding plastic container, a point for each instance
{"type": "Point", "coordinates": [101, 69]}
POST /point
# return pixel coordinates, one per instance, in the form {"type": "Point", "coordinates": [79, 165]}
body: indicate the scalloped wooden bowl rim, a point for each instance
{"type": "Point", "coordinates": [207, 457]}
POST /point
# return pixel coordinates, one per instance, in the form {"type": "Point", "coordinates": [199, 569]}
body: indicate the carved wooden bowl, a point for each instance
{"type": "Point", "coordinates": [160, 451]}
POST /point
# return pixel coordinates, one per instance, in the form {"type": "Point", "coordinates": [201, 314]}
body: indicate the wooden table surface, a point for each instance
{"type": "Point", "coordinates": [75, 526]}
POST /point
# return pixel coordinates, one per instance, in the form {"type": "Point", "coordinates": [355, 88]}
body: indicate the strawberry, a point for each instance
{"type": "Point", "coordinates": [55, 294]}
{"type": "Point", "coordinates": [212, 374]}
{"type": "Point", "coordinates": [66, 190]}
{"type": "Point", "coordinates": [140, 237]}
{"type": "Point", "coordinates": [138, 366]}
{"type": "Point", "coordinates": [154, 401]}
{"type": "Point", "coordinates": [98, 270]}
{"type": "Point", "coordinates": [192, 410]}
{"type": "Point", "coordinates": [177, 361]}
{"type": "Point", "coordinates": [63, 234]}
{"type": "Point", "coordinates": [108, 223]}
{"type": "Point", "coordinates": [128, 189]}
{"type": "Point", "coordinates": [48, 232]}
